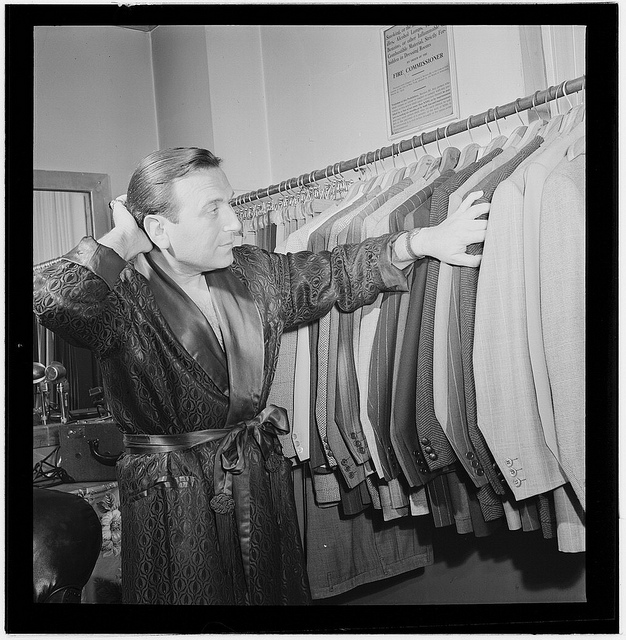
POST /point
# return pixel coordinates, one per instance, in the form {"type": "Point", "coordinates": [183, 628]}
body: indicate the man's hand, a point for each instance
{"type": "Point", "coordinates": [448, 241]}
{"type": "Point", "coordinates": [126, 238]}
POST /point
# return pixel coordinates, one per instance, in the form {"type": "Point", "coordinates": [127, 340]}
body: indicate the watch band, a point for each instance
{"type": "Point", "coordinates": [408, 238]}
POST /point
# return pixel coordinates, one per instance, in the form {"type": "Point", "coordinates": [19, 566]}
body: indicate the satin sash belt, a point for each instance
{"type": "Point", "coordinates": [229, 496]}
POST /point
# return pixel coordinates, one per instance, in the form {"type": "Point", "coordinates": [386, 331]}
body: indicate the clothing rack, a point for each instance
{"type": "Point", "coordinates": [496, 113]}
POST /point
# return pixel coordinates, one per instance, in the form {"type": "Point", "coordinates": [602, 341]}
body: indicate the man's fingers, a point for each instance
{"type": "Point", "coordinates": [119, 200]}
{"type": "Point", "coordinates": [466, 260]}
{"type": "Point", "coordinates": [479, 209]}
{"type": "Point", "coordinates": [469, 200]}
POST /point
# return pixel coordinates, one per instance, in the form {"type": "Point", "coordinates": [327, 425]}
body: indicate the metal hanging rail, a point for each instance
{"type": "Point", "coordinates": [509, 109]}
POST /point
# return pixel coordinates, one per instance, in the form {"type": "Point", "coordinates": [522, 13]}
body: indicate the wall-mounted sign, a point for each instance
{"type": "Point", "coordinates": [420, 77]}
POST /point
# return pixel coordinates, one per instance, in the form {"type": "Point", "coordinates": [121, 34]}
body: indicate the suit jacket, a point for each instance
{"type": "Point", "coordinates": [403, 432]}
{"type": "Point", "coordinates": [318, 241]}
{"type": "Point", "coordinates": [435, 447]}
{"type": "Point", "coordinates": [506, 405]}
{"type": "Point", "coordinates": [448, 391]}
{"type": "Point", "coordinates": [554, 276]}
{"type": "Point", "coordinates": [467, 305]}
{"type": "Point", "coordinates": [561, 254]}
{"type": "Point", "coordinates": [350, 466]}
{"type": "Point", "coordinates": [383, 345]}
{"type": "Point", "coordinates": [285, 391]}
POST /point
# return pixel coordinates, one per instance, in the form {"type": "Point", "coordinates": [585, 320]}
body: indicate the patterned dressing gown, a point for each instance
{"type": "Point", "coordinates": [164, 372]}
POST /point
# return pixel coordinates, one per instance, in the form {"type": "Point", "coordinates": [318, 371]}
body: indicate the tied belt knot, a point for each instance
{"type": "Point", "coordinates": [230, 461]}
{"type": "Point", "coordinates": [229, 457]}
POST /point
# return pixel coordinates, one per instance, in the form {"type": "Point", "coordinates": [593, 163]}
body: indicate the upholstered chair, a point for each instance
{"type": "Point", "coordinates": [67, 537]}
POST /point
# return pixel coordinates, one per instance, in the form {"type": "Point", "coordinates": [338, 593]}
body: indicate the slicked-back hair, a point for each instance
{"type": "Point", "coordinates": [150, 187]}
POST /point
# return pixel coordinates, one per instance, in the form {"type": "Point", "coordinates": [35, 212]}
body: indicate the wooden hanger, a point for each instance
{"type": "Point", "coordinates": [391, 176]}
{"type": "Point", "coordinates": [421, 165]}
{"type": "Point", "coordinates": [357, 187]}
{"type": "Point", "coordinates": [469, 152]}
{"type": "Point", "coordinates": [517, 135]}
{"type": "Point", "coordinates": [533, 127]}
{"type": "Point", "coordinates": [449, 157]}
{"type": "Point", "coordinates": [378, 178]}
{"type": "Point", "coordinates": [499, 140]}
{"type": "Point", "coordinates": [575, 116]}
{"type": "Point", "coordinates": [483, 149]}
{"type": "Point", "coordinates": [468, 155]}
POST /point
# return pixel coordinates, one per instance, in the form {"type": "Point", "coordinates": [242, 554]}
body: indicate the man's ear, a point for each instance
{"type": "Point", "coordinates": [155, 228]}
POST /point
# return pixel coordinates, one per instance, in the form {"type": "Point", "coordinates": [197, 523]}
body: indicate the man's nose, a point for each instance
{"type": "Point", "coordinates": [233, 224]}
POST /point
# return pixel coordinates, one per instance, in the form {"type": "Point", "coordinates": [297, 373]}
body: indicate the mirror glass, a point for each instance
{"type": "Point", "coordinates": [60, 220]}
{"type": "Point", "coordinates": [66, 207]}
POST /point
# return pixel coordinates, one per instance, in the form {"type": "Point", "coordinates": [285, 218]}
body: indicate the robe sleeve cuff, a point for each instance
{"type": "Point", "coordinates": [103, 261]}
{"type": "Point", "coordinates": [394, 278]}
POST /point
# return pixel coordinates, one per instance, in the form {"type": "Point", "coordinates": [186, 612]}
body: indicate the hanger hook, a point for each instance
{"type": "Point", "coordinates": [400, 152]}
{"type": "Point", "coordinates": [445, 134]}
{"type": "Point", "coordinates": [360, 170]}
{"type": "Point", "coordinates": [517, 111]}
{"type": "Point", "coordinates": [437, 139]}
{"type": "Point", "coordinates": [496, 119]}
{"type": "Point", "coordinates": [487, 125]}
{"type": "Point", "coordinates": [413, 147]}
{"type": "Point", "coordinates": [584, 90]}
{"type": "Point", "coordinates": [469, 128]}
{"type": "Point", "coordinates": [423, 143]}
{"type": "Point", "coordinates": [535, 106]}
{"type": "Point", "coordinates": [565, 95]}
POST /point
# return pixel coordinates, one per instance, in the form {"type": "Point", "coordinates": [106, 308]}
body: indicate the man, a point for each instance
{"type": "Point", "coordinates": [187, 329]}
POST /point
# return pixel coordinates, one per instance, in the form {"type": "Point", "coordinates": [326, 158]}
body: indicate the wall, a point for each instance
{"type": "Point", "coordinates": [181, 87]}
{"type": "Point", "coordinates": [238, 103]}
{"type": "Point", "coordinates": [325, 89]}
{"type": "Point", "coordinates": [94, 101]}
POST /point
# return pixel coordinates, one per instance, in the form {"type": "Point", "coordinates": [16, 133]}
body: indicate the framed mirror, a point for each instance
{"type": "Point", "coordinates": [67, 206]}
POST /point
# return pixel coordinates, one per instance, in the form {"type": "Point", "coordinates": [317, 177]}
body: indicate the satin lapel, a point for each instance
{"type": "Point", "coordinates": [186, 321]}
{"type": "Point", "coordinates": [242, 331]}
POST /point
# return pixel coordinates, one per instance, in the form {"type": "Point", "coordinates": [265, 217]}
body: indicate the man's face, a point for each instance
{"type": "Point", "coordinates": [202, 239]}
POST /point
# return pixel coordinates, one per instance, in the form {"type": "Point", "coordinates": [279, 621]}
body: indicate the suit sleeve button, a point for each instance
{"type": "Point", "coordinates": [428, 449]}
{"type": "Point", "coordinates": [512, 472]}
{"type": "Point", "coordinates": [469, 455]}
{"type": "Point", "coordinates": [433, 456]}
{"type": "Point", "coordinates": [425, 441]}
{"type": "Point", "coordinates": [480, 472]}
{"type": "Point", "coordinates": [517, 482]}
{"type": "Point", "coordinates": [508, 462]}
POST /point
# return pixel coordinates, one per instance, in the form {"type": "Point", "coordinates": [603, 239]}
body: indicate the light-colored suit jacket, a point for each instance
{"type": "Point", "coordinates": [561, 252]}
{"type": "Point", "coordinates": [507, 411]}
{"type": "Point", "coordinates": [554, 271]}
